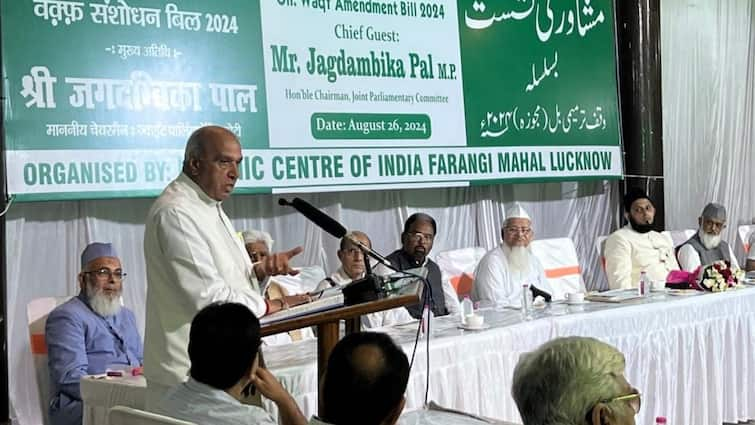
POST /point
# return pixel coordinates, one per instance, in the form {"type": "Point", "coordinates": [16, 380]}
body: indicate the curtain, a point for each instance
{"type": "Point", "coordinates": [45, 241]}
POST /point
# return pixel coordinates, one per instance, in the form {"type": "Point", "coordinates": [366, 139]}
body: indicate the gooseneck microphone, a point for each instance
{"type": "Point", "coordinates": [330, 225]}
{"type": "Point", "coordinates": [318, 217]}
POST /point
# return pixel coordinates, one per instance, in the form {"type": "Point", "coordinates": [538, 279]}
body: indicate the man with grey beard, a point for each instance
{"type": "Point", "coordinates": [503, 270]}
{"type": "Point", "coordinates": [90, 332]}
{"type": "Point", "coordinates": [706, 247]}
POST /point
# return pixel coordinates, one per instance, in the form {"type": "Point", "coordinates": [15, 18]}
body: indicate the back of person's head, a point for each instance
{"type": "Point", "coordinates": [223, 343]}
{"type": "Point", "coordinates": [365, 381]}
{"type": "Point", "coordinates": [561, 381]}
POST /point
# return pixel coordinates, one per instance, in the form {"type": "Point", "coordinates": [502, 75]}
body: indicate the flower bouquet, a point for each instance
{"type": "Point", "coordinates": [718, 277]}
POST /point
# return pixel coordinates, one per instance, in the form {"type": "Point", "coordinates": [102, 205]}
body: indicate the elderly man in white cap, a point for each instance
{"type": "Point", "coordinates": [89, 332]}
{"type": "Point", "coordinates": [706, 246]}
{"type": "Point", "coordinates": [503, 270]}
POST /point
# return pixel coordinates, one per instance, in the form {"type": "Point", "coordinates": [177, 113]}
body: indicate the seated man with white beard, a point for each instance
{"type": "Point", "coordinates": [638, 247]}
{"type": "Point", "coordinates": [706, 247]}
{"type": "Point", "coordinates": [503, 270]}
{"type": "Point", "coordinates": [353, 268]}
{"type": "Point", "coordinates": [89, 332]}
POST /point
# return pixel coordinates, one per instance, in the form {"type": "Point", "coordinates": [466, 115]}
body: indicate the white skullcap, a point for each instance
{"type": "Point", "coordinates": [517, 211]}
{"type": "Point", "coordinates": [251, 236]}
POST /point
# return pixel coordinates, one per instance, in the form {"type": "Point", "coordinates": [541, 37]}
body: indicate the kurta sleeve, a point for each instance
{"type": "Point", "coordinates": [689, 259]}
{"type": "Point", "coordinates": [618, 255]}
{"type": "Point", "coordinates": [188, 257]}
{"type": "Point", "coordinates": [493, 283]}
{"type": "Point", "coordinates": [66, 351]}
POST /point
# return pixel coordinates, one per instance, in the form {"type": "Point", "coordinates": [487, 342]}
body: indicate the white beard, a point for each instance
{"type": "Point", "coordinates": [518, 258]}
{"type": "Point", "coordinates": [709, 241]}
{"type": "Point", "coordinates": [103, 305]}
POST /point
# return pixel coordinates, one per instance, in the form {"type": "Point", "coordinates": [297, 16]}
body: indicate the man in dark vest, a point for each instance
{"type": "Point", "coordinates": [706, 246]}
{"type": "Point", "coordinates": [416, 243]}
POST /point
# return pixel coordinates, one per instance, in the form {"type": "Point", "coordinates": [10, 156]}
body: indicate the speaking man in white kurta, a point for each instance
{"type": "Point", "coordinates": [638, 247]}
{"type": "Point", "coordinates": [194, 257]}
{"type": "Point", "coordinates": [503, 270]}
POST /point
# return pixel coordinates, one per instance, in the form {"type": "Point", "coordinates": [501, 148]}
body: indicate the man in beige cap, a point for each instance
{"type": "Point", "coordinates": [706, 246]}
{"type": "Point", "coordinates": [503, 270]}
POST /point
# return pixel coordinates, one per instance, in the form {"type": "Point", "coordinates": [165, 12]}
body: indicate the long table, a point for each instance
{"type": "Point", "coordinates": [693, 358]}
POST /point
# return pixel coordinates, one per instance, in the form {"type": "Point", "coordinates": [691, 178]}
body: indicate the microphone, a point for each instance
{"type": "Point", "coordinates": [331, 226]}
{"type": "Point", "coordinates": [318, 217]}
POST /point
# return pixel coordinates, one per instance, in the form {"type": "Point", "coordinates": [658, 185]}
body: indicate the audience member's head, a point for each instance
{"type": "Point", "coordinates": [712, 222]}
{"type": "Point", "coordinates": [351, 256]}
{"type": "Point", "coordinates": [101, 278]}
{"type": "Point", "coordinates": [211, 159]}
{"type": "Point", "coordinates": [639, 210]}
{"type": "Point", "coordinates": [258, 244]}
{"type": "Point", "coordinates": [418, 236]}
{"type": "Point", "coordinates": [365, 381]}
{"type": "Point", "coordinates": [574, 381]}
{"type": "Point", "coordinates": [223, 344]}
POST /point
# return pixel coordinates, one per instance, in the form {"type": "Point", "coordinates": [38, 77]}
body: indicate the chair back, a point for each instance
{"type": "Point", "coordinates": [36, 313]}
{"type": "Point", "coordinates": [459, 265]}
{"type": "Point", "coordinates": [562, 269]}
{"type": "Point", "coordinates": [743, 234]}
{"type": "Point", "coordinates": [678, 237]}
{"type": "Point", "coordinates": [122, 415]}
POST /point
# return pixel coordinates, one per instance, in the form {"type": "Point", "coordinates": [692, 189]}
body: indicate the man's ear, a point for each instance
{"type": "Point", "coordinates": [194, 166]}
{"type": "Point", "coordinates": [395, 413]}
{"type": "Point", "coordinates": [699, 221]}
{"type": "Point", "coordinates": [82, 283]}
{"type": "Point", "coordinates": [601, 414]}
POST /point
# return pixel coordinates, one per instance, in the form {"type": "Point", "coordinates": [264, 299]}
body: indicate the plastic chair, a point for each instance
{"type": "Point", "coordinates": [743, 234]}
{"type": "Point", "coordinates": [459, 265]}
{"type": "Point", "coordinates": [122, 415]}
{"type": "Point", "coordinates": [678, 237]}
{"type": "Point", "coordinates": [562, 269]}
{"type": "Point", "coordinates": [36, 313]}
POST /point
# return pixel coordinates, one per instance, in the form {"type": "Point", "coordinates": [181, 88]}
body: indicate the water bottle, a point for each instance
{"type": "Point", "coordinates": [526, 301]}
{"type": "Point", "coordinates": [467, 308]}
{"type": "Point", "coordinates": [660, 420]}
{"type": "Point", "coordinates": [643, 287]}
{"type": "Point", "coordinates": [427, 317]}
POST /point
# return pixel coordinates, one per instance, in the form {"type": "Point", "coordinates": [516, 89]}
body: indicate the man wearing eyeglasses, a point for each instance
{"type": "Point", "coordinates": [416, 242]}
{"type": "Point", "coordinates": [353, 268]}
{"type": "Point", "coordinates": [574, 380]}
{"type": "Point", "coordinates": [90, 332]}
{"type": "Point", "coordinates": [638, 246]}
{"type": "Point", "coordinates": [706, 246]}
{"type": "Point", "coordinates": [503, 270]}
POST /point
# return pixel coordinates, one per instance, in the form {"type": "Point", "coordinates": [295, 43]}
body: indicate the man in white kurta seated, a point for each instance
{"type": "Point", "coordinates": [638, 247]}
{"type": "Point", "coordinates": [706, 247]}
{"type": "Point", "coordinates": [503, 270]}
{"type": "Point", "coordinates": [353, 268]}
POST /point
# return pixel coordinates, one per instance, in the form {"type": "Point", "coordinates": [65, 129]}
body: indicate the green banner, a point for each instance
{"type": "Point", "coordinates": [324, 95]}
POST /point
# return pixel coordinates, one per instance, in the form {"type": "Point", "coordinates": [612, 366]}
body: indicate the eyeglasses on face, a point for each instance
{"type": "Point", "coordinates": [711, 224]}
{"type": "Point", "coordinates": [419, 236]}
{"type": "Point", "coordinates": [352, 252]}
{"type": "Point", "coordinates": [106, 274]}
{"type": "Point", "coordinates": [519, 230]}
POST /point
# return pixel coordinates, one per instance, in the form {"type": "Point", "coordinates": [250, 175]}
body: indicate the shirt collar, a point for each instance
{"type": "Point", "coordinates": [411, 259]}
{"type": "Point", "coordinates": [185, 180]}
{"type": "Point", "coordinates": [198, 387]}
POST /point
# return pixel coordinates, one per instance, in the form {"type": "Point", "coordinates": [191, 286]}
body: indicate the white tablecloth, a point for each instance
{"type": "Point", "coordinates": [100, 394]}
{"type": "Point", "coordinates": [693, 358]}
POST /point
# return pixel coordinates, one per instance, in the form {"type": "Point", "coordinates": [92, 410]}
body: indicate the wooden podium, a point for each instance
{"type": "Point", "coordinates": [327, 322]}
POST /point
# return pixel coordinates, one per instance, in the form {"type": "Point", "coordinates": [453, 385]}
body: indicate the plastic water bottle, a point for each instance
{"type": "Point", "coordinates": [427, 317]}
{"type": "Point", "coordinates": [526, 301]}
{"type": "Point", "coordinates": [644, 285]}
{"type": "Point", "coordinates": [660, 420]}
{"type": "Point", "coordinates": [467, 308]}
